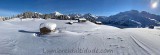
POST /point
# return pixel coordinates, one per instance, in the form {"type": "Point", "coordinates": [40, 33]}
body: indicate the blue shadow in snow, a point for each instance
{"type": "Point", "coordinates": [28, 31]}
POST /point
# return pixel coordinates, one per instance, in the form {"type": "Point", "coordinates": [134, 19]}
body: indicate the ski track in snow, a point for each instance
{"type": "Point", "coordinates": [23, 39]}
{"type": "Point", "coordinates": [141, 45]}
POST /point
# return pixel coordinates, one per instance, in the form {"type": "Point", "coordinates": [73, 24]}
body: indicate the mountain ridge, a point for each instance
{"type": "Point", "coordinates": [132, 18]}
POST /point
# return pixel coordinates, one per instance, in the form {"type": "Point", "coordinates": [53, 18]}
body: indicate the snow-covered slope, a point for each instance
{"type": "Point", "coordinates": [20, 37]}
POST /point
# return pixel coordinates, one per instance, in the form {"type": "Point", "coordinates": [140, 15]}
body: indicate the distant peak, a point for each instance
{"type": "Point", "coordinates": [57, 13]}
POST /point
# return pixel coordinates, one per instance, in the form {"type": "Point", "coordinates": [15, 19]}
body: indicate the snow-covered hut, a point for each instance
{"type": "Point", "coordinates": [98, 22]}
{"type": "Point", "coordinates": [46, 28]}
{"type": "Point", "coordinates": [82, 20]}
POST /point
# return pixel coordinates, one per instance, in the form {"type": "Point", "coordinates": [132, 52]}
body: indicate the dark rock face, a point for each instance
{"type": "Point", "coordinates": [44, 30]}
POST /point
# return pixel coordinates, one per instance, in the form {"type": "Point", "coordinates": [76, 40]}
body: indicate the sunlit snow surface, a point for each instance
{"type": "Point", "coordinates": [21, 37]}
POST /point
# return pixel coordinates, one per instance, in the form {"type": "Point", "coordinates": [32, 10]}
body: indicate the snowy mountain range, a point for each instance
{"type": "Point", "coordinates": [132, 18]}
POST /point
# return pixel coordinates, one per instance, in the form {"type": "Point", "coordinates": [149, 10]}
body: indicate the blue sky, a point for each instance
{"type": "Point", "coordinates": [96, 7]}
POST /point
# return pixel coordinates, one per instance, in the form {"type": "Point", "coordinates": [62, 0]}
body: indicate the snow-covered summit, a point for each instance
{"type": "Point", "coordinates": [88, 15]}
{"type": "Point", "coordinates": [57, 13]}
{"type": "Point", "coordinates": [38, 13]}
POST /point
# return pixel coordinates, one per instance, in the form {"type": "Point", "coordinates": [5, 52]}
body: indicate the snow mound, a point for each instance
{"type": "Point", "coordinates": [49, 25]}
